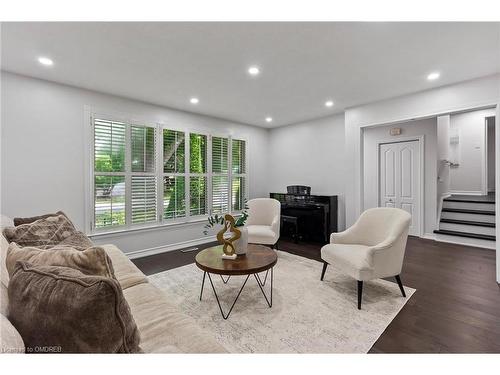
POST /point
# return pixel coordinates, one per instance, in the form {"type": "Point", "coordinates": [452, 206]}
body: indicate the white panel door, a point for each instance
{"type": "Point", "coordinates": [400, 179]}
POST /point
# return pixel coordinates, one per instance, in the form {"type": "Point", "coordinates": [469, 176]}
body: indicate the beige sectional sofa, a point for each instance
{"type": "Point", "coordinates": [163, 328]}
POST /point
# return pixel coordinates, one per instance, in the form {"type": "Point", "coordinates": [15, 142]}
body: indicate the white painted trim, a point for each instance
{"type": "Point", "coordinates": [429, 236]}
{"type": "Point", "coordinates": [359, 135]}
{"type": "Point", "coordinates": [497, 184]}
{"type": "Point", "coordinates": [466, 192]}
{"type": "Point", "coordinates": [440, 208]}
{"type": "Point", "coordinates": [163, 249]}
{"type": "Point", "coordinates": [421, 143]}
{"type": "Point", "coordinates": [484, 161]}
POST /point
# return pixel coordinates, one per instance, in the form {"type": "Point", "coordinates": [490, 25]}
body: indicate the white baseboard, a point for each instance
{"type": "Point", "coordinates": [163, 249]}
{"type": "Point", "coordinates": [466, 192]}
{"type": "Point", "coordinates": [429, 236]}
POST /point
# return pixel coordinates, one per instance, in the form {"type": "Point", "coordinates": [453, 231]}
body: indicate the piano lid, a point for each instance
{"type": "Point", "coordinates": [298, 189]}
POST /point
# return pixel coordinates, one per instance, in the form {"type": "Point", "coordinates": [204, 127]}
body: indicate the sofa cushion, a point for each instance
{"type": "Point", "coordinates": [60, 309]}
{"type": "Point", "coordinates": [11, 341]}
{"type": "Point", "coordinates": [92, 261]}
{"type": "Point", "coordinates": [28, 220]}
{"type": "Point", "coordinates": [126, 272]}
{"type": "Point", "coordinates": [164, 329]}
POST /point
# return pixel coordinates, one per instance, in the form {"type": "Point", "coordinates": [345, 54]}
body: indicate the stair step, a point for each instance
{"type": "Point", "coordinates": [464, 211]}
{"type": "Point", "coordinates": [481, 206]}
{"type": "Point", "coordinates": [468, 217]}
{"type": "Point", "coordinates": [468, 222]}
{"type": "Point", "coordinates": [466, 234]}
{"type": "Point", "coordinates": [468, 200]}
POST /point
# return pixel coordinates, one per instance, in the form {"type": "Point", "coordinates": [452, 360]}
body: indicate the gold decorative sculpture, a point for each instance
{"type": "Point", "coordinates": [228, 248]}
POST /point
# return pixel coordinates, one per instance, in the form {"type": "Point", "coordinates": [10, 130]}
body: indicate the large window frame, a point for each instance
{"type": "Point", "coordinates": [159, 174]}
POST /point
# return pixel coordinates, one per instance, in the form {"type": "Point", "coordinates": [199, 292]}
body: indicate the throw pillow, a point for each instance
{"type": "Point", "coordinates": [44, 232]}
{"type": "Point", "coordinates": [92, 261]}
{"type": "Point", "coordinates": [59, 309]}
{"type": "Point", "coordinates": [28, 220]}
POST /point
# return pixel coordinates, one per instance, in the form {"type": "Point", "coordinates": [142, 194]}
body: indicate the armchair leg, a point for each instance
{"type": "Point", "coordinates": [360, 293]}
{"type": "Point", "coordinates": [324, 270]}
{"type": "Point", "coordinates": [398, 279]}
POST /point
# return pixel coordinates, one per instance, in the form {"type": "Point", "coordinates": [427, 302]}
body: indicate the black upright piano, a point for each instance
{"type": "Point", "coordinates": [315, 216]}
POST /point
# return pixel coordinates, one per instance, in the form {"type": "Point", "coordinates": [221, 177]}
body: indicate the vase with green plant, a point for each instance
{"type": "Point", "coordinates": [241, 244]}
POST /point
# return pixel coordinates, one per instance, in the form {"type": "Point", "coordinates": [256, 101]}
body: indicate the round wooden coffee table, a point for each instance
{"type": "Point", "coordinates": [257, 259]}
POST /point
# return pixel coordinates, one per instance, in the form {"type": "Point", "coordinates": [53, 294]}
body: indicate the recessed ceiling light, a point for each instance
{"type": "Point", "coordinates": [45, 61]}
{"type": "Point", "coordinates": [329, 103]}
{"type": "Point", "coordinates": [253, 70]}
{"type": "Point", "coordinates": [269, 119]}
{"type": "Point", "coordinates": [433, 76]}
{"type": "Point", "coordinates": [194, 100]}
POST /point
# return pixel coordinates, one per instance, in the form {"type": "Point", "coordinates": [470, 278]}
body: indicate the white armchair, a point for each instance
{"type": "Point", "coordinates": [372, 248]}
{"type": "Point", "coordinates": [263, 223]}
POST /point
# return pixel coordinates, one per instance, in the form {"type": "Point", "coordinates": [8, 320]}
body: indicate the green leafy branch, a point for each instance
{"type": "Point", "coordinates": [216, 219]}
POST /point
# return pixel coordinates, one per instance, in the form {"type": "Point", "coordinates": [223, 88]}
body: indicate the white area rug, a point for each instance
{"type": "Point", "coordinates": [308, 315]}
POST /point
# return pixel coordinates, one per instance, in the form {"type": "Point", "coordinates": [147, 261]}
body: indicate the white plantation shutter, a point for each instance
{"type": "Point", "coordinates": [198, 178]}
{"type": "Point", "coordinates": [109, 173]}
{"type": "Point", "coordinates": [143, 148]}
{"type": "Point", "coordinates": [174, 197]}
{"type": "Point", "coordinates": [220, 194]}
{"type": "Point", "coordinates": [174, 150]}
{"type": "Point", "coordinates": [220, 155]}
{"type": "Point", "coordinates": [239, 177]}
{"type": "Point", "coordinates": [143, 183]}
{"type": "Point", "coordinates": [174, 174]}
{"type": "Point", "coordinates": [220, 175]}
{"type": "Point", "coordinates": [238, 193]}
{"type": "Point", "coordinates": [198, 196]}
{"type": "Point", "coordinates": [144, 174]}
{"type": "Point", "coordinates": [143, 199]}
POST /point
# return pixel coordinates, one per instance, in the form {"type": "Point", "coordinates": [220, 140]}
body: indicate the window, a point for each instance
{"type": "Point", "coordinates": [147, 175]}
{"type": "Point", "coordinates": [220, 175]}
{"type": "Point", "coordinates": [174, 174]}
{"type": "Point", "coordinates": [109, 173]}
{"type": "Point", "coordinates": [238, 183]}
{"type": "Point", "coordinates": [143, 174]}
{"type": "Point", "coordinates": [198, 174]}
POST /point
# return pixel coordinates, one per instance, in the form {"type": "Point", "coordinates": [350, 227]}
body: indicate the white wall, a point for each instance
{"type": "Point", "coordinates": [310, 153]}
{"type": "Point", "coordinates": [469, 176]}
{"type": "Point", "coordinates": [427, 128]}
{"type": "Point", "coordinates": [476, 93]}
{"type": "Point", "coordinates": [43, 151]}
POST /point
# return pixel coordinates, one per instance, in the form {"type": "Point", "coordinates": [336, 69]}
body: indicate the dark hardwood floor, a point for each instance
{"type": "Point", "coordinates": [456, 308]}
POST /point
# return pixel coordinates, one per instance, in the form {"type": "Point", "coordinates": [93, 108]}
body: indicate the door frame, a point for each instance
{"type": "Point", "coordinates": [421, 196]}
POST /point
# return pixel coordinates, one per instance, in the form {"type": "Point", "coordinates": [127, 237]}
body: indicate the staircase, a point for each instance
{"type": "Point", "coordinates": [468, 219]}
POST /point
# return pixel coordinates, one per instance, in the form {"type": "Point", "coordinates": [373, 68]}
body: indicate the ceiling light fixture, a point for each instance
{"type": "Point", "coordinates": [269, 119]}
{"type": "Point", "coordinates": [253, 70]}
{"type": "Point", "coordinates": [433, 76]}
{"type": "Point", "coordinates": [329, 103]}
{"type": "Point", "coordinates": [194, 100]}
{"type": "Point", "coordinates": [45, 61]}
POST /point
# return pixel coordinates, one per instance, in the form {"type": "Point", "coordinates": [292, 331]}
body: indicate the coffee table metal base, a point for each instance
{"type": "Point", "coordinates": [261, 285]}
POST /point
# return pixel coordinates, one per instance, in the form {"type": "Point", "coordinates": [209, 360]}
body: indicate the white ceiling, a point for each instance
{"type": "Point", "coordinates": [302, 64]}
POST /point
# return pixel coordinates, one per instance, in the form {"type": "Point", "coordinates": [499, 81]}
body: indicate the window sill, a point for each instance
{"type": "Point", "coordinates": [121, 231]}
